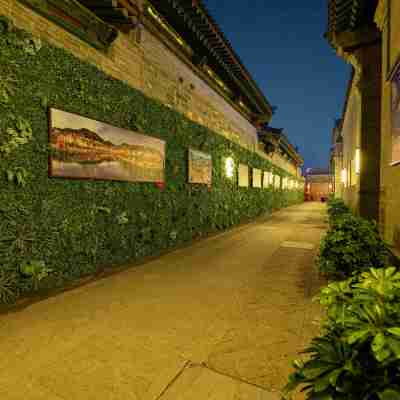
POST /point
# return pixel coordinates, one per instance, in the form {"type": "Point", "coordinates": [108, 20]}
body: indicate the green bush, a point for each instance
{"type": "Point", "coordinates": [352, 244]}
{"type": "Point", "coordinates": [336, 208]}
{"type": "Point", "coordinates": [358, 354]}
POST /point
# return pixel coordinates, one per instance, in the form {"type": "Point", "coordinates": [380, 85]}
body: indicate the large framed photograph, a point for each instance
{"type": "Point", "coordinates": [243, 175]}
{"type": "Point", "coordinates": [200, 167]}
{"type": "Point", "coordinates": [86, 148]}
{"type": "Point", "coordinates": [256, 178]}
{"type": "Point", "coordinates": [395, 115]}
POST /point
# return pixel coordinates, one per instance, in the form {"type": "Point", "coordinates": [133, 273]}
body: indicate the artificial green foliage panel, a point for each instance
{"type": "Point", "coordinates": [71, 227]}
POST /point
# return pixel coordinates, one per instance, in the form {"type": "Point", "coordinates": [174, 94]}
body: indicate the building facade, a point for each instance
{"type": "Point", "coordinates": [318, 184]}
{"type": "Point", "coordinates": [336, 159]}
{"type": "Point", "coordinates": [168, 50]}
{"type": "Point", "coordinates": [355, 37]}
{"type": "Point", "coordinates": [368, 36]}
{"type": "Point", "coordinates": [387, 18]}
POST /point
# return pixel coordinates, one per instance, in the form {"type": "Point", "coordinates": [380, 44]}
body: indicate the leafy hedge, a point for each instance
{"type": "Point", "coordinates": [336, 208]}
{"type": "Point", "coordinates": [358, 354]}
{"type": "Point", "coordinates": [56, 230]}
{"type": "Point", "coordinates": [351, 245]}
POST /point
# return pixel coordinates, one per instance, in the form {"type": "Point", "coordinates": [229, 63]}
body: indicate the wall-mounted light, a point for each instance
{"type": "Point", "coordinates": [229, 167]}
{"type": "Point", "coordinates": [358, 161]}
{"type": "Point", "coordinates": [343, 176]}
{"type": "Point", "coordinates": [330, 187]}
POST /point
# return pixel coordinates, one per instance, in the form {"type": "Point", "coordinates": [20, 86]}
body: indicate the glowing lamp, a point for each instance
{"type": "Point", "coordinates": [229, 167]}
{"type": "Point", "coordinates": [358, 161]}
{"type": "Point", "coordinates": [343, 176]}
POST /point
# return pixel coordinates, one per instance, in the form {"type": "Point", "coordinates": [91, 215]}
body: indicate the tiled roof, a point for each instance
{"type": "Point", "coordinates": [268, 134]}
{"type": "Point", "coordinates": [191, 20]}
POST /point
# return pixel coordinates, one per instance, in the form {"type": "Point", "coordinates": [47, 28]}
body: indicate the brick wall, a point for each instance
{"type": "Point", "coordinates": [150, 67]}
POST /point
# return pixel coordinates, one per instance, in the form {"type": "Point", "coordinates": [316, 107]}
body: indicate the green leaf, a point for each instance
{"type": "Point", "coordinates": [334, 375]}
{"type": "Point", "coordinates": [382, 354]}
{"type": "Point", "coordinates": [394, 331]}
{"type": "Point", "coordinates": [389, 394]}
{"type": "Point", "coordinates": [394, 345]}
{"type": "Point", "coordinates": [321, 384]}
{"type": "Point", "coordinates": [378, 342]}
{"type": "Point", "coordinates": [312, 373]}
{"type": "Point", "coordinates": [10, 175]}
{"type": "Point", "coordinates": [358, 335]}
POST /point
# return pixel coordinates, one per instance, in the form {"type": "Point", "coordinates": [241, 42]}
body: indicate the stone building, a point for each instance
{"type": "Point", "coordinates": [318, 184]}
{"type": "Point", "coordinates": [367, 34]}
{"type": "Point", "coordinates": [172, 51]}
{"type": "Point", "coordinates": [355, 37]}
{"type": "Point", "coordinates": [387, 18]}
{"type": "Point", "coordinates": [336, 158]}
{"type": "Point", "coordinates": [275, 144]}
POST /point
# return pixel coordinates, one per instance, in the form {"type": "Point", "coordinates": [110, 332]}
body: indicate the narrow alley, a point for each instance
{"type": "Point", "coordinates": [219, 319]}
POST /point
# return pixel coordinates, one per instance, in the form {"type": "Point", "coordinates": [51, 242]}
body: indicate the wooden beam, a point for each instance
{"type": "Point", "coordinates": [77, 19]}
{"type": "Point", "coordinates": [99, 3]}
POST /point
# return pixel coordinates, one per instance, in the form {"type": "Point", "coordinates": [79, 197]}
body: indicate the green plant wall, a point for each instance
{"type": "Point", "coordinates": [75, 226]}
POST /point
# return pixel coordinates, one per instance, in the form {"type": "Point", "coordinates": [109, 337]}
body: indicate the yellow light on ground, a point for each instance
{"type": "Point", "coordinates": [343, 176]}
{"type": "Point", "coordinates": [229, 167]}
{"type": "Point", "coordinates": [358, 161]}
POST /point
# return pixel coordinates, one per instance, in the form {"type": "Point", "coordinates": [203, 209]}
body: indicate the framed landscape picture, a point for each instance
{"type": "Point", "coordinates": [243, 175]}
{"type": "Point", "coordinates": [85, 148]}
{"type": "Point", "coordinates": [256, 178]}
{"type": "Point", "coordinates": [395, 115]}
{"type": "Point", "coordinates": [200, 167]}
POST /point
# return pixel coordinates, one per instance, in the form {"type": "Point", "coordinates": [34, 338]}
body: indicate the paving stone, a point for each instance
{"type": "Point", "coordinates": [244, 310]}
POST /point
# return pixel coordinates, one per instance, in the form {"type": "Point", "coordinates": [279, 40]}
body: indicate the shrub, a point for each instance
{"type": "Point", "coordinates": [358, 354]}
{"type": "Point", "coordinates": [337, 208]}
{"type": "Point", "coordinates": [352, 244]}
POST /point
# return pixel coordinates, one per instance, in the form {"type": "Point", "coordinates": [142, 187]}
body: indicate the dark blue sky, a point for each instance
{"type": "Point", "coordinates": [281, 45]}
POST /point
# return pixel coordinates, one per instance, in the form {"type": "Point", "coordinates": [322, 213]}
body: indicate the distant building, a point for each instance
{"type": "Point", "coordinates": [275, 144]}
{"type": "Point", "coordinates": [318, 184]}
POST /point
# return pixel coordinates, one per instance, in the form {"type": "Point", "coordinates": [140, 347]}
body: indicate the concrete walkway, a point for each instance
{"type": "Point", "coordinates": [219, 320]}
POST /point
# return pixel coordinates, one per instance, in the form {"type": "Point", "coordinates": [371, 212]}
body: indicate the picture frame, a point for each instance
{"type": "Point", "coordinates": [84, 148]}
{"type": "Point", "coordinates": [200, 167]}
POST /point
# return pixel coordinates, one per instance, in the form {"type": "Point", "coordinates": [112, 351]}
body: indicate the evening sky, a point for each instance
{"type": "Point", "coordinates": [281, 44]}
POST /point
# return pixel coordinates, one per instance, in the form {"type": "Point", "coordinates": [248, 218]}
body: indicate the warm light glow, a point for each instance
{"type": "Point", "coordinates": [271, 178]}
{"type": "Point", "coordinates": [344, 176]}
{"type": "Point", "coordinates": [229, 167]}
{"type": "Point", "coordinates": [330, 186]}
{"type": "Point", "coordinates": [358, 161]}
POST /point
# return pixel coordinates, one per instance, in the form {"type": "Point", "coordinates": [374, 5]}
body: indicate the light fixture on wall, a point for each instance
{"type": "Point", "coordinates": [229, 167]}
{"type": "Point", "coordinates": [343, 176]}
{"type": "Point", "coordinates": [358, 161]}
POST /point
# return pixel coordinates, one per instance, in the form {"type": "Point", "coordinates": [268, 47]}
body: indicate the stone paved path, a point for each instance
{"type": "Point", "coordinates": [221, 319]}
